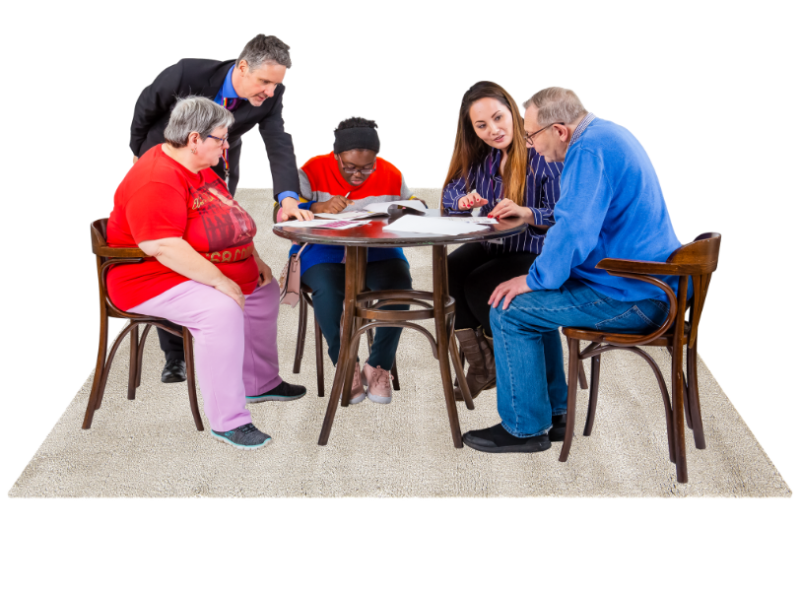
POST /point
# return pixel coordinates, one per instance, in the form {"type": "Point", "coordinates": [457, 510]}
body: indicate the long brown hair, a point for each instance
{"type": "Point", "coordinates": [470, 149]}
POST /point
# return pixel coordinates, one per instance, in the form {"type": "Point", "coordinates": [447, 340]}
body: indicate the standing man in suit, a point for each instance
{"type": "Point", "coordinates": [251, 87]}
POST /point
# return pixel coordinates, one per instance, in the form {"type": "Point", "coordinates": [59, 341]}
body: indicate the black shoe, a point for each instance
{"type": "Point", "coordinates": [174, 371]}
{"type": "Point", "coordinates": [559, 429]}
{"type": "Point", "coordinates": [496, 440]}
{"type": "Point", "coordinates": [282, 391]}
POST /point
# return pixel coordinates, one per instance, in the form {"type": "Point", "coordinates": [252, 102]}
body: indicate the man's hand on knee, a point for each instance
{"type": "Point", "coordinates": [509, 290]}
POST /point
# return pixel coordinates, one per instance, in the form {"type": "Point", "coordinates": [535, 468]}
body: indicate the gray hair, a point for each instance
{"type": "Point", "coordinates": [195, 113]}
{"type": "Point", "coordinates": [262, 49]}
{"type": "Point", "coordinates": [556, 105]}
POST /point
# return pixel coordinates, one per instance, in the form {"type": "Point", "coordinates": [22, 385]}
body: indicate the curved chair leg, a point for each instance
{"type": "Point", "coordinates": [320, 366]}
{"type": "Point", "coordinates": [134, 360]}
{"type": "Point", "coordinates": [593, 390]}
{"type": "Point", "coordinates": [301, 334]}
{"type": "Point", "coordinates": [572, 387]}
{"type": "Point", "coordinates": [106, 366]}
{"type": "Point", "coordinates": [99, 368]}
{"type": "Point", "coordinates": [694, 399]}
{"type": "Point", "coordinates": [395, 378]}
{"type": "Point", "coordinates": [145, 332]}
{"type": "Point", "coordinates": [581, 373]}
{"type": "Point", "coordinates": [188, 354]}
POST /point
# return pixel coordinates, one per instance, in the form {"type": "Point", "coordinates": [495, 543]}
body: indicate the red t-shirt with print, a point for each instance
{"type": "Point", "coordinates": [160, 198]}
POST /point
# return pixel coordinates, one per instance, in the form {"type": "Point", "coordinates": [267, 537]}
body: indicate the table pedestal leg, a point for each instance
{"type": "Point", "coordinates": [354, 270]}
{"type": "Point", "coordinates": [443, 334]}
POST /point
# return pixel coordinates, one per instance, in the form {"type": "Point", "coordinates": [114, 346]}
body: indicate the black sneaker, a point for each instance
{"type": "Point", "coordinates": [496, 440]}
{"type": "Point", "coordinates": [174, 371]}
{"type": "Point", "coordinates": [559, 429]}
{"type": "Point", "coordinates": [245, 437]}
{"type": "Point", "coordinates": [282, 391]}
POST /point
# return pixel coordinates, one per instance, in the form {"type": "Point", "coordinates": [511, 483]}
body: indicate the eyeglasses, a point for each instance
{"type": "Point", "coordinates": [365, 170]}
{"type": "Point", "coordinates": [529, 136]}
{"type": "Point", "coordinates": [219, 139]}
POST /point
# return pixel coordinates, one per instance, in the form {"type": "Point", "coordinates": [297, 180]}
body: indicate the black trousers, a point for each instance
{"type": "Point", "coordinates": [170, 344]}
{"type": "Point", "coordinates": [473, 273]}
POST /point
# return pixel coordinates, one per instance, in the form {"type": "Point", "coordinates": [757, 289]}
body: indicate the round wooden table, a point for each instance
{"type": "Point", "coordinates": [362, 309]}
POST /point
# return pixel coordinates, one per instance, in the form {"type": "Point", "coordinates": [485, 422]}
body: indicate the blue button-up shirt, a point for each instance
{"type": "Point", "coordinates": [541, 194]}
{"type": "Point", "coordinates": [227, 91]}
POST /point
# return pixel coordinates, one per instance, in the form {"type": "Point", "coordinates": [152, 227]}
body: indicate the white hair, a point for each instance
{"type": "Point", "coordinates": [195, 113]}
{"type": "Point", "coordinates": [556, 105]}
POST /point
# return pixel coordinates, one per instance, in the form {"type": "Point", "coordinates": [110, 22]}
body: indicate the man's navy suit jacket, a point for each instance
{"type": "Point", "coordinates": [201, 77]}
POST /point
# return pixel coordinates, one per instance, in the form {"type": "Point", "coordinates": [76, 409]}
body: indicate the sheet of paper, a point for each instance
{"type": "Point", "coordinates": [300, 223]}
{"type": "Point", "coordinates": [432, 225]}
{"type": "Point", "coordinates": [486, 221]}
{"type": "Point", "coordinates": [346, 215]}
{"type": "Point", "coordinates": [327, 224]}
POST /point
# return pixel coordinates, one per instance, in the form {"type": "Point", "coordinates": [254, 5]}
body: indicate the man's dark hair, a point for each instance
{"type": "Point", "coordinates": [262, 49]}
{"type": "Point", "coordinates": [354, 122]}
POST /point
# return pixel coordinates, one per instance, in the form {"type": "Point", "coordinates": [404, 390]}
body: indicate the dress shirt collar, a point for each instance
{"type": "Point", "coordinates": [227, 86]}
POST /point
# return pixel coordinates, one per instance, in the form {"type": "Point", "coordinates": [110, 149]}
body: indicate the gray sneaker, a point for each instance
{"type": "Point", "coordinates": [245, 437]}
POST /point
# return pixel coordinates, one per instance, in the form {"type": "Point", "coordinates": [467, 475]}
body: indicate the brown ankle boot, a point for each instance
{"type": "Point", "coordinates": [487, 348]}
{"type": "Point", "coordinates": [477, 352]}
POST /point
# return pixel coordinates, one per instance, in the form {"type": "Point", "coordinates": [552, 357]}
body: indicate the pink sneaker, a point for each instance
{"type": "Point", "coordinates": [378, 384]}
{"type": "Point", "coordinates": [357, 393]}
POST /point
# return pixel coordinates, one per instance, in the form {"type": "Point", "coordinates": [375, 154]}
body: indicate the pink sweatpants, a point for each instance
{"type": "Point", "coordinates": [235, 351]}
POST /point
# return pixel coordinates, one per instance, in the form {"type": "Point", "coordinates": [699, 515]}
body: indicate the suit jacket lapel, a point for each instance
{"type": "Point", "coordinates": [216, 79]}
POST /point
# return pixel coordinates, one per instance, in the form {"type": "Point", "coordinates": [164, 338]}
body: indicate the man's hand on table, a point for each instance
{"type": "Point", "coordinates": [509, 290]}
{"type": "Point", "coordinates": [333, 205]}
{"type": "Point", "coordinates": [290, 209]}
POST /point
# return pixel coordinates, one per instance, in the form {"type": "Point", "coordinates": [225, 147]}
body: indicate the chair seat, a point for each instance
{"type": "Point", "coordinates": [596, 336]}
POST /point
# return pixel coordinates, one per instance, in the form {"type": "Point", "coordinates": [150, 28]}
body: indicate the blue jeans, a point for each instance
{"type": "Point", "coordinates": [327, 282]}
{"type": "Point", "coordinates": [531, 386]}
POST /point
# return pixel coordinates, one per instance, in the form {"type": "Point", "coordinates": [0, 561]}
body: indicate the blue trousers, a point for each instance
{"type": "Point", "coordinates": [327, 283]}
{"type": "Point", "coordinates": [531, 386]}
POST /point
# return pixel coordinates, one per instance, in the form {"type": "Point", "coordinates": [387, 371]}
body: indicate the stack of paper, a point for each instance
{"type": "Point", "coordinates": [357, 211]}
{"type": "Point", "coordinates": [434, 225]}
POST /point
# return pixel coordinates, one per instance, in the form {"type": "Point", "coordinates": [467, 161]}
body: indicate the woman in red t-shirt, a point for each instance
{"type": "Point", "coordinates": [205, 273]}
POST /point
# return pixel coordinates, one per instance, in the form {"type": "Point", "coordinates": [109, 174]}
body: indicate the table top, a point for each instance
{"type": "Point", "coordinates": [374, 234]}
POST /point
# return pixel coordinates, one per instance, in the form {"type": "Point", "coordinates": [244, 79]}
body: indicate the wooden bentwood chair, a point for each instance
{"type": "Point", "coordinates": [106, 258]}
{"type": "Point", "coordinates": [697, 260]}
{"type": "Point", "coordinates": [302, 322]}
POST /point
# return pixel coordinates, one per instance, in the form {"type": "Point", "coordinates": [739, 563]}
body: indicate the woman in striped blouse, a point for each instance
{"type": "Point", "coordinates": [492, 168]}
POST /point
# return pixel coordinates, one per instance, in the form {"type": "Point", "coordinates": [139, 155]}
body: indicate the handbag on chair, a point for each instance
{"type": "Point", "coordinates": [290, 279]}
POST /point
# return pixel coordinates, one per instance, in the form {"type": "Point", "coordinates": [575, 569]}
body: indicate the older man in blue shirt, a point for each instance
{"type": "Point", "coordinates": [611, 206]}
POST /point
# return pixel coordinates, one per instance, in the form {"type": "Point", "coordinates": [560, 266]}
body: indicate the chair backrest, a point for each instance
{"type": "Point", "coordinates": [106, 258]}
{"type": "Point", "coordinates": [101, 248]}
{"type": "Point", "coordinates": [699, 260]}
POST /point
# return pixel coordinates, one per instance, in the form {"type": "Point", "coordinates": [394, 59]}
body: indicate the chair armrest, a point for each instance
{"type": "Point", "coordinates": [639, 267]}
{"type": "Point", "coordinates": [641, 272]}
{"type": "Point", "coordinates": [108, 252]}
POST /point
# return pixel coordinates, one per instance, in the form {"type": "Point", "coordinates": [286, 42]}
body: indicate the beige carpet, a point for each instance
{"type": "Point", "coordinates": [150, 448]}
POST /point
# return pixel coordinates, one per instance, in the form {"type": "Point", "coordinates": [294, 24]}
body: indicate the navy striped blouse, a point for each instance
{"type": "Point", "coordinates": [541, 195]}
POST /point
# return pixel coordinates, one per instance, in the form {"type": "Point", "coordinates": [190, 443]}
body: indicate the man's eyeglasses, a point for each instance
{"type": "Point", "coordinates": [219, 139]}
{"type": "Point", "coordinates": [529, 136]}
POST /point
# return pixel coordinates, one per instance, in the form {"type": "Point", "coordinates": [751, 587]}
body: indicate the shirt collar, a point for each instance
{"type": "Point", "coordinates": [581, 128]}
{"type": "Point", "coordinates": [227, 86]}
